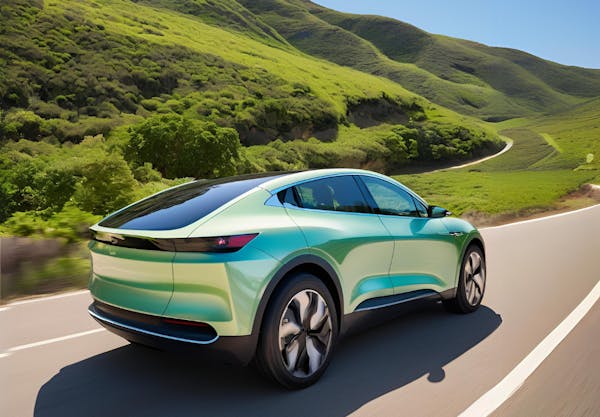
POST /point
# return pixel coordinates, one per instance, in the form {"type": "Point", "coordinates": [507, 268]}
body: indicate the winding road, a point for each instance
{"type": "Point", "coordinates": [56, 361]}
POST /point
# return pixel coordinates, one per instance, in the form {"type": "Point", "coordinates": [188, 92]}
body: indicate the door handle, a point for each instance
{"type": "Point", "coordinates": [456, 234]}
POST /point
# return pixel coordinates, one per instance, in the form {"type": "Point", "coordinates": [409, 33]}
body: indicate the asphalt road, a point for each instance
{"type": "Point", "coordinates": [424, 363]}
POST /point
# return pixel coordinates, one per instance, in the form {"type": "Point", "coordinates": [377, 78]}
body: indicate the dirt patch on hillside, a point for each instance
{"type": "Point", "coordinates": [372, 112]}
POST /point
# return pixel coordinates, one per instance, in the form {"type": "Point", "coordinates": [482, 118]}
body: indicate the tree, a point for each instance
{"type": "Point", "coordinates": [106, 184]}
{"type": "Point", "coordinates": [21, 124]}
{"type": "Point", "coordinates": [181, 147]}
{"type": "Point", "coordinates": [41, 178]}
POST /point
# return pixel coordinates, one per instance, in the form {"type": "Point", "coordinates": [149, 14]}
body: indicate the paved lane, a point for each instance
{"type": "Point", "coordinates": [568, 382]}
{"type": "Point", "coordinates": [36, 320]}
{"type": "Point", "coordinates": [425, 363]}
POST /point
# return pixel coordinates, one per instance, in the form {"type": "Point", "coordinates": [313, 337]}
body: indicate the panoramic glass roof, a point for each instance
{"type": "Point", "coordinates": [180, 206]}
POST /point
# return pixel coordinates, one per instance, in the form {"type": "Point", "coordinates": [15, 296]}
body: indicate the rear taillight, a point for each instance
{"type": "Point", "coordinates": [213, 244]}
{"type": "Point", "coordinates": [192, 244]}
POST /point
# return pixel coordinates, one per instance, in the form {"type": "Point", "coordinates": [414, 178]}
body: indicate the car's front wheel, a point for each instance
{"type": "Point", "coordinates": [299, 332]}
{"type": "Point", "coordinates": [471, 283]}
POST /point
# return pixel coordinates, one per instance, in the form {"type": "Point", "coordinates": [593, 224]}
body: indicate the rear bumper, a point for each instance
{"type": "Point", "coordinates": [164, 334]}
{"type": "Point", "coordinates": [221, 289]}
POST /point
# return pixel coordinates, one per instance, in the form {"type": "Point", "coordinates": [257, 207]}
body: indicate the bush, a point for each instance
{"type": "Point", "coordinates": [145, 173]}
{"type": "Point", "coordinates": [181, 147]}
{"type": "Point", "coordinates": [21, 124]}
{"type": "Point", "coordinates": [38, 177]}
{"type": "Point", "coordinates": [35, 176]}
{"type": "Point", "coordinates": [105, 184]}
{"type": "Point", "coordinates": [71, 224]}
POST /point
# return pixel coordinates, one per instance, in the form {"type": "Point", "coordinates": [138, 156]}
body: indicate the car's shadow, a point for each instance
{"type": "Point", "coordinates": [134, 381]}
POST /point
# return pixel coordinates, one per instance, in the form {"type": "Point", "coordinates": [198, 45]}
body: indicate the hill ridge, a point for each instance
{"type": "Point", "coordinates": [459, 74]}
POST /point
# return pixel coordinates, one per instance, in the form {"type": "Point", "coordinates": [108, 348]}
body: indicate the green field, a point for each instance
{"type": "Point", "coordinates": [552, 156]}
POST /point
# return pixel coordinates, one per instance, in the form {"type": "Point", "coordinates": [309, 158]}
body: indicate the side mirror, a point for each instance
{"type": "Point", "coordinates": [437, 212]}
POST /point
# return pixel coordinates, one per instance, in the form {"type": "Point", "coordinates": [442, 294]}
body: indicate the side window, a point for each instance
{"type": "Point", "coordinates": [335, 194]}
{"type": "Point", "coordinates": [389, 198]}
{"type": "Point", "coordinates": [421, 208]}
{"type": "Point", "coordinates": [288, 196]}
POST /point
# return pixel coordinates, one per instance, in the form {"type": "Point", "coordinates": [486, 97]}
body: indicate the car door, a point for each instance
{"type": "Point", "coordinates": [425, 254]}
{"type": "Point", "coordinates": [339, 226]}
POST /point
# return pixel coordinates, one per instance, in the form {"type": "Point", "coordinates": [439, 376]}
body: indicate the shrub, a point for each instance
{"type": "Point", "coordinates": [181, 147]}
{"type": "Point", "coordinates": [105, 184]}
{"type": "Point", "coordinates": [21, 124]}
{"type": "Point", "coordinates": [145, 173]}
{"type": "Point", "coordinates": [39, 177]}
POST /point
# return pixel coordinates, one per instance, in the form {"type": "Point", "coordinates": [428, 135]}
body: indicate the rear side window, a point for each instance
{"type": "Point", "coordinates": [288, 196]}
{"type": "Point", "coordinates": [334, 194]}
{"type": "Point", "coordinates": [181, 206]}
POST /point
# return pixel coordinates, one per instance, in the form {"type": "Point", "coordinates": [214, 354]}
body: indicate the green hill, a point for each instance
{"type": "Point", "coordinates": [167, 89]}
{"type": "Point", "coordinates": [491, 83]}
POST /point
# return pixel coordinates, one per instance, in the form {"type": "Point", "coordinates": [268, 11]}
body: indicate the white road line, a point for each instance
{"type": "Point", "coordinates": [494, 398]}
{"type": "Point", "coordinates": [4, 308]}
{"type": "Point", "coordinates": [51, 297]}
{"type": "Point", "coordinates": [49, 341]}
{"type": "Point", "coordinates": [538, 219]}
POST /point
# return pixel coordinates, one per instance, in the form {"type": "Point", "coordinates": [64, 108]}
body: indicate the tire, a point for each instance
{"type": "Point", "coordinates": [298, 333]}
{"type": "Point", "coordinates": [471, 283]}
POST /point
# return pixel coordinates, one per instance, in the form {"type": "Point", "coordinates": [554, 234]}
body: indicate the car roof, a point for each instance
{"type": "Point", "coordinates": [275, 184]}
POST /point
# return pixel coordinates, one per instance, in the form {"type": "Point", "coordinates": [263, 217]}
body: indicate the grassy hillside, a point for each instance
{"type": "Point", "coordinates": [226, 14]}
{"type": "Point", "coordinates": [492, 83]}
{"type": "Point", "coordinates": [167, 90]}
{"type": "Point", "coordinates": [509, 71]}
{"type": "Point", "coordinates": [314, 35]}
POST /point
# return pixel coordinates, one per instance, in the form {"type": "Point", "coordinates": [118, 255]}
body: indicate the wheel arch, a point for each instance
{"type": "Point", "coordinates": [474, 239]}
{"type": "Point", "coordinates": [303, 263]}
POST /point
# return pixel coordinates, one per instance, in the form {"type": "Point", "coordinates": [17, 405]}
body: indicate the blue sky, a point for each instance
{"type": "Point", "coordinates": [566, 31]}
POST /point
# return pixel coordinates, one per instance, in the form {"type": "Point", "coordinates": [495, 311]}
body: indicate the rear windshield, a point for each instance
{"type": "Point", "coordinates": [180, 206]}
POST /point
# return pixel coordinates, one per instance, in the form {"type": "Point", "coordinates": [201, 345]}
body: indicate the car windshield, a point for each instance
{"type": "Point", "coordinates": [180, 206]}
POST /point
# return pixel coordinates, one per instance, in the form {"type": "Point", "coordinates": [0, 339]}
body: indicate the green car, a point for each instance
{"type": "Point", "coordinates": [276, 267]}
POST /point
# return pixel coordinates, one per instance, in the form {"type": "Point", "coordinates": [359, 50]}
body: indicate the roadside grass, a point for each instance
{"type": "Point", "coordinates": [55, 275]}
{"type": "Point", "coordinates": [509, 192]}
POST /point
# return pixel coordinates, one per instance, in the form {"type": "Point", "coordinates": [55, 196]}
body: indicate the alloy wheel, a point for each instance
{"type": "Point", "coordinates": [305, 333]}
{"type": "Point", "coordinates": [474, 276]}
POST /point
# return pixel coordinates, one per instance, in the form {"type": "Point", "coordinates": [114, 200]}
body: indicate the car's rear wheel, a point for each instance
{"type": "Point", "coordinates": [471, 283]}
{"type": "Point", "coordinates": [299, 332]}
